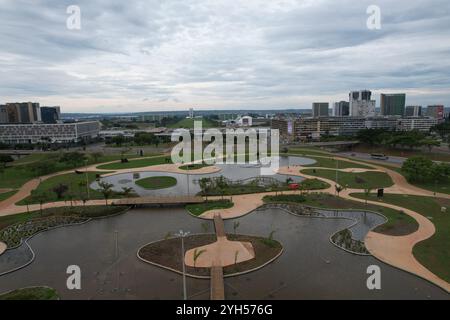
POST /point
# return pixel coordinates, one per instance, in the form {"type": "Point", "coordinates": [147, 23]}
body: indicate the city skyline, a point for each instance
{"type": "Point", "coordinates": [149, 58]}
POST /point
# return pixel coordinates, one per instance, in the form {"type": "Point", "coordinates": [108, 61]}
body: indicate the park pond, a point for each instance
{"type": "Point", "coordinates": [188, 183]}
{"type": "Point", "coordinates": [310, 266]}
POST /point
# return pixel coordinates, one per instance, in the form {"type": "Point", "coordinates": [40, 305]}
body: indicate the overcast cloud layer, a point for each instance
{"type": "Point", "coordinates": [173, 54]}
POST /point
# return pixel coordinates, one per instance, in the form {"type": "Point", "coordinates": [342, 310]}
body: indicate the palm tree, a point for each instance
{"type": "Point", "coordinates": [236, 253]}
{"type": "Point", "coordinates": [338, 188]}
{"type": "Point", "coordinates": [126, 191]}
{"type": "Point", "coordinates": [197, 253]}
{"type": "Point", "coordinates": [236, 225]}
{"type": "Point", "coordinates": [106, 190]}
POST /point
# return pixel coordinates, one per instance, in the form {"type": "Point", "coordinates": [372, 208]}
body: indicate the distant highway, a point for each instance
{"type": "Point", "coordinates": [367, 156]}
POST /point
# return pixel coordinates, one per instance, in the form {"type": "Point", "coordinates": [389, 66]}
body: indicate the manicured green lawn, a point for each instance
{"type": "Point", "coordinates": [308, 151]}
{"type": "Point", "coordinates": [153, 183]}
{"type": "Point", "coordinates": [194, 166]}
{"type": "Point", "coordinates": [140, 163]}
{"type": "Point", "coordinates": [189, 123]}
{"type": "Point", "coordinates": [441, 187]}
{"type": "Point", "coordinates": [433, 253]}
{"type": "Point", "coordinates": [314, 184]}
{"type": "Point", "coordinates": [21, 171]}
{"type": "Point", "coordinates": [199, 208]}
{"type": "Point", "coordinates": [76, 184]}
{"type": "Point", "coordinates": [6, 195]}
{"type": "Point", "coordinates": [362, 180]}
{"type": "Point", "coordinates": [331, 163]}
{"type": "Point", "coordinates": [398, 223]}
{"type": "Point", "coordinates": [34, 293]}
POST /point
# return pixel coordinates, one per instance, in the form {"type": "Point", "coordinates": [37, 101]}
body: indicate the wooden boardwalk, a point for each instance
{"type": "Point", "coordinates": [159, 200]}
{"type": "Point", "coordinates": [219, 226]}
{"type": "Point", "coordinates": [217, 285]}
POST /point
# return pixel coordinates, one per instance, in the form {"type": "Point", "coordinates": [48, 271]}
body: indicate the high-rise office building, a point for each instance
{"type": "Point", "coordinates": [413, 111]}
{"type": "Point", "coordinates": [50, 114]}
{"type": "Point", "coordinates": [341, 109]}
{"type": "Point", "coordinates": [436, 111]}
{"type": "Point", "coordinates": [393, 104]}
{"type": "Point", "coordinates": [23, 112]}
{"type": "Point", "coordinates": [361, 104]}
{"type": "Point", "coordinates": [3, 114]}
{"type": "Point", "coordinates": [320, 109]}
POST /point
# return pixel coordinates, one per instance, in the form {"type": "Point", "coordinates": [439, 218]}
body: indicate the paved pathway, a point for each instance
{"type": "Point", "coordinates": [2, 247]}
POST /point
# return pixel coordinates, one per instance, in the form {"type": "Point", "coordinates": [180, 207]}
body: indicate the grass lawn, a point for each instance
{"type": "Point", "coordinates": [314, 184]}
{"type": "Point", "coordinates": [140, 163]}
{"type": "Point", "coordinates": [308, 150]}
{"type": "Point", "coordinates": [362, 180]}
{"type": "Point", "coordinates": [153, 183]}
{"type": "Point", "coordinates": [6, 195]}
{"type": "Point", "coordinates": [199, 208]}
{"type": "Point", "coordinates": [398, 223]}
{"type": "Point", "coordinates": [21, 171]}
{"type": "Point", "coordinates": [34, 293]}
{"type": "Point", "coordinates": [76, 184]}
{"type": "Point", "coordinates": [406, 153]}
{"type": "Point", "coordinates": [194, 166]}
{"type": "Point", "coordinates": [331, 163]}
{"type": "Point", "coordinates": [433, 253]}
{"type": "Point", "coordinates": [442, 187]}
{"type": "Point", "coordinates": [189, 123]}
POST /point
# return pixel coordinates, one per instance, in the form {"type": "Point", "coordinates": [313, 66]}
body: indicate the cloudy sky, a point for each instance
{"type": "Point", "coordinates": [149, 55]}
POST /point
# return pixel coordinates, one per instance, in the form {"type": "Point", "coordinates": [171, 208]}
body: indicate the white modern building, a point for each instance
{"type": "Point", "coordinates": [361, 104]}
{"type": "Point", "coordinates": [417, 123]}
{"type": "Point", "coordinates": [50, 133]}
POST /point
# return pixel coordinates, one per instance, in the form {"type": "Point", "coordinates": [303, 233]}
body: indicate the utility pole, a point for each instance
{"type": "Point", "coordinates": [182, 234]}
{"type": "Point", "coordinates": [87, 179]}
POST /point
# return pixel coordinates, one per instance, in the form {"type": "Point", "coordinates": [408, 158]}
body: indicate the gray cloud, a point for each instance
{"type": "Point", "coordinates": [155, 55]}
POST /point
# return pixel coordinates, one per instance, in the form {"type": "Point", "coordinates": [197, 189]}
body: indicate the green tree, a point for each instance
{"type": "Point", "coordinates": [106, 190]}
{"type": "Point", "coordinates": [126, 191]}
{"type": "Point", "coordinates": [430, 143]}
{"type": "Point", "coordinates": [417, 169]}
{"type": "Point", "coordinates": [197, 253]}
{"type": "Point", "coordinates": [5, 159]}
{"type": "Point", "coordinates": [60, 190]}
{"type": "Point", "coordinates": [96, 156]}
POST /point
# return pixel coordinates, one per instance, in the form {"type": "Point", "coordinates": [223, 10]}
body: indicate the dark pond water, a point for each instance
{"type": "Point", "coordinates": [310, 267]}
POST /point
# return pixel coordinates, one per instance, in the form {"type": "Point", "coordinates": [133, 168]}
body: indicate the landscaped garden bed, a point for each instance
{"type": "Point", "coordinates": [200, 208]}
{"type": "Point", "coordinates": [167, 253]}
{"type": "Point", "coordinates": [17, 227]}
{"type": "Point", "coordinates": [32, 293]}
{"type": "Point", "coordinates": [343, 239]}
{"type": "Point", "coordinates": [155, 183]}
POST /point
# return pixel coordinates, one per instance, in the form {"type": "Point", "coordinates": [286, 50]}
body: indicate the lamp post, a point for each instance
{"type": "Point", "coordinates": [87, 180]}
{"type": "Point", "coordinates": [182, 235]}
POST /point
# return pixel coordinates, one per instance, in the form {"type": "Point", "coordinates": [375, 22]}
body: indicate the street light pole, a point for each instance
{"type": "Point", "coordinates": [87, 180]}
{"type": "Point", "coordinates": [182, 234]}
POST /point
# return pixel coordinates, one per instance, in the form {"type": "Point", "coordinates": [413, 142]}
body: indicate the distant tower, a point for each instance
{"type": "Point", "coordinates": [191, 113]}
{"type": "Point", "coordinates": [361, 104]}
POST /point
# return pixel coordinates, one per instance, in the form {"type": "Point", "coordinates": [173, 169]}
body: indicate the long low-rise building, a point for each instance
{"type": "Point", "coordinates": [51, 133]}
{"type": "Point", "coordinates": [306, 128]}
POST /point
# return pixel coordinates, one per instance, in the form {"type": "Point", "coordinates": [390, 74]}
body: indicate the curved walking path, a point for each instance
{"type": "Point", "coordinates": [2, 247]}
{"type": "Point", "coordinates": [394, 250]}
